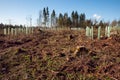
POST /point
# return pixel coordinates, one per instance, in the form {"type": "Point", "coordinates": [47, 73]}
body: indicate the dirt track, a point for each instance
{"type": "Point", "coordinates": [59, 55]}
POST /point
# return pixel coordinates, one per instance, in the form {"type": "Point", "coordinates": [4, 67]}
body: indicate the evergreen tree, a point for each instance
{"type": "Point", "coordinates": [44, 16]}
{"type": "Point", "coordinates": [65, 20]}
{"type": "Point", "coordinates": [60, 20]}
{"type": "Point", "coordinates": [73, 18]}
{"type": "Point", "coordinates": [69, 22]}
{"type": "Point", "coordinates": [47, 16]}
{"type": "Point", "coordinates": [82, 20]}
{"type": "Point", "coordinates": [88, 23]}
{"type": "Point", "coordinates": [53, 18]}
{"type": "Point", "coordinates": [76, 18]}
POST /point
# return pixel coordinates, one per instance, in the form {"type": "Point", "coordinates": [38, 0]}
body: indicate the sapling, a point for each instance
{"type": "Point", "coordinates": [12, 31]}
{"type": "Point", "coordinates": [99, 28]}
{"type": "Point", "coordinates": [8, 30]}
{"type": "Point", "coordinates": [29, 31]}
{"type": "Point", "coordinates": [26, 30]}
{"type": "Point", "coordinates": [32, 29]}
{"type": "Point", "coordinates": [87, 31]}
{"type": "Point", "coordinates": [19, 30]}
{"type": "Point", "coordinates": [15, 31]}
{"type": "Point", "coordinates": [108, 31]}
{"type": "Point", "coordinates": [23, 30]}
{"type": "Point", "coordinates": [92, 32]}
{"type": "Point", "coordinates": [5, 31]}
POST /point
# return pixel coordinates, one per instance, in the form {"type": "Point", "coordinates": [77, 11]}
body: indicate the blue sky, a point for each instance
{"type": "Point", "coordinates": [18, 10]}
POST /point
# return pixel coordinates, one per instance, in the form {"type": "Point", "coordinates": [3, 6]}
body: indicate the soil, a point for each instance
{"type": "Point", "coordinates": [59, 55]}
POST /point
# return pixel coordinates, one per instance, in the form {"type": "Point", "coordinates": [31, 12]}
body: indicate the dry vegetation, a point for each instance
{"type": "Point", "coordinates": [59, 55]}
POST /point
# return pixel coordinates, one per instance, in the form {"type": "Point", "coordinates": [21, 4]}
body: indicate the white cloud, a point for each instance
{"type": "Point", "coordinates": [96, 16]}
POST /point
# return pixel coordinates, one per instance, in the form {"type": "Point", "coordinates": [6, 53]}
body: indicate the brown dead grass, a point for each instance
{"type": "Point", "coordinates": [51, 55]}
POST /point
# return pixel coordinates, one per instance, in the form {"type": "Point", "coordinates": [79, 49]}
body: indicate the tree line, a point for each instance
{"type": "Point", "coordinates": [10, 26]}
{"type": "Point", "coordinates": [63, 20]}
{"type": "Point", "coordinates": [75, 20]}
